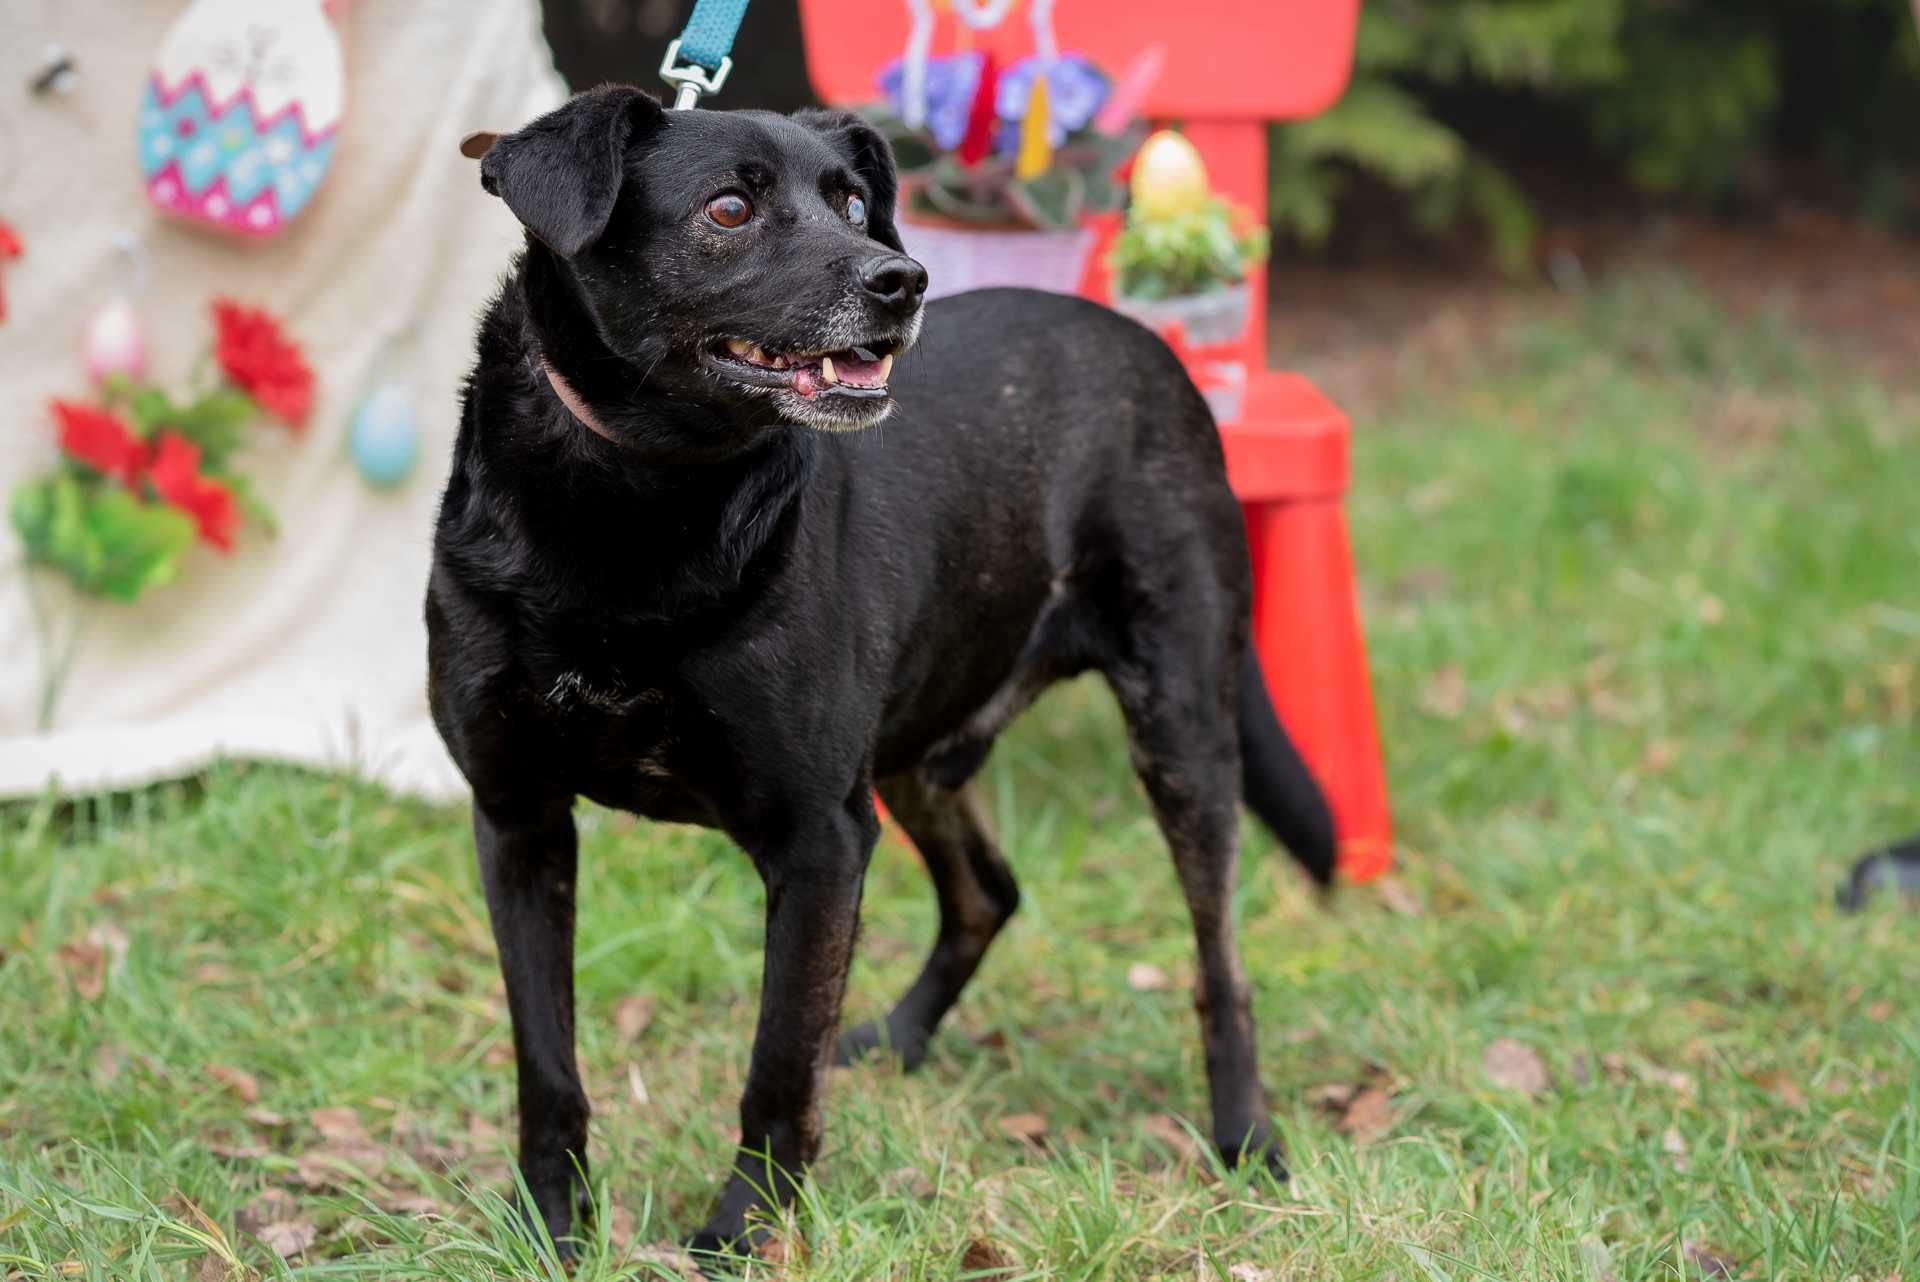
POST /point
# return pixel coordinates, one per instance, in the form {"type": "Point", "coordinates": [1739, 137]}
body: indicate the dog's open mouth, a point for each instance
{"type": "Point", "coordinates": [858, 373]}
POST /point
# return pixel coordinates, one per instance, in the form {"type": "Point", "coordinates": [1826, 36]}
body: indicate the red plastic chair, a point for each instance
{"type": "Point", "coordinates": [1231, 66]}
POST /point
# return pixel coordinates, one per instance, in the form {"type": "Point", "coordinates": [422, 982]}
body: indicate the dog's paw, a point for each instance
{"type": "Point", "coordinates": [1259, 1150]}
{"type": "Point", "coordinates": [723, 1247]}
{"type": "Point", "coordinates": [875, 1038]}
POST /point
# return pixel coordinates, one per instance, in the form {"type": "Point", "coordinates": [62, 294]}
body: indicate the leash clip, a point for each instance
{"type": "Point", "coordinates": [691, 80]}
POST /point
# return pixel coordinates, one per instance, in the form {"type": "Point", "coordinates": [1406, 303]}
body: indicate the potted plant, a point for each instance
{"type": "Point", "coordinates": [1185, 254]}
{"type": "Point", "coordinates": [1002, 173]}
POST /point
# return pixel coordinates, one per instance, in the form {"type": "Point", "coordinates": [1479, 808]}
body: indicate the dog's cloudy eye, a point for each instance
{"type": "Point", "coordinates": [856, 211]}
{"type": "Point", "coordinates": [730, 209]}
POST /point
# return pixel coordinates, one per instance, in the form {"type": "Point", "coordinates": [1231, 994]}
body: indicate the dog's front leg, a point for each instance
{"type": "Point", "coordinates": [528, 859]}
{"type": "Point", "coordinates": [813, 871]}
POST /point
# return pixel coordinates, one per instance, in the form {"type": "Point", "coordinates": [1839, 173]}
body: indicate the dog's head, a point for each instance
{"type": "Point", "coordinates": [737, 257]}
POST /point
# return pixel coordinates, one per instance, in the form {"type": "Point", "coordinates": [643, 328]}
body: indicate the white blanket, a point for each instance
{"type": "Point", "coordinates": [306, 647]}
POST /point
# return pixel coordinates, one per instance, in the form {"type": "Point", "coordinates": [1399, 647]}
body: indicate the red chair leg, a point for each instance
{"type": "Point", "coordinates": [1306, 628]}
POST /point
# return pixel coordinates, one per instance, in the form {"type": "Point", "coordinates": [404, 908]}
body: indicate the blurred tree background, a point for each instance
{"type": "Point", "coordinates": [1469, 116]}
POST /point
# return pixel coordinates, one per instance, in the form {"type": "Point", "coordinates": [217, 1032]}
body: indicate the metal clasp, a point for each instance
{"type": "Point", "coordinates": [692, 80]}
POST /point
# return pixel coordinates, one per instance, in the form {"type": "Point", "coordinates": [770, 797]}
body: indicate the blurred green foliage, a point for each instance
{"type": "Point", "coordinates": [1714, 102]}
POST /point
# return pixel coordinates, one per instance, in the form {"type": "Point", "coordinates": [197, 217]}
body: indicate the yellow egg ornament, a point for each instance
{"type": "Point", "coordinates": [1169, 178]}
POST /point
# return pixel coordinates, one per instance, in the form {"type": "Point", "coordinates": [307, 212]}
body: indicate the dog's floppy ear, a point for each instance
{"type": "Point", "coordinates": [871, 158]}
{"type": "Point", "coordinates": [561, 174]}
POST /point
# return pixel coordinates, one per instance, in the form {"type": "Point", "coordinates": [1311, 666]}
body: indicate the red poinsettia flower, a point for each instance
{"type": "Point", "coordinates": [101, 441]}
{"type": "Point", "coordinates": [262, 361]}
{"type": "Point", "coordinates": [175, 476]}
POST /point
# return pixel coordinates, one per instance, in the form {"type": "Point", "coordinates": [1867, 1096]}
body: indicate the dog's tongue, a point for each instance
{"type": "Point", "coordinates": [851, 369]}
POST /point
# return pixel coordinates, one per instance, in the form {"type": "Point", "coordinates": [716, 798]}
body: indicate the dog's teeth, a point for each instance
{"type": "Point", "coordinates": [739, 346]}
{"type": "Point", "coordinates": [826, 370]}
{"type": "Point", "coordinates": [757, 356]}
{"type": "Point", "coordinates": [886, 366]}
{"type": "Point", "coordinates": [779, 361]}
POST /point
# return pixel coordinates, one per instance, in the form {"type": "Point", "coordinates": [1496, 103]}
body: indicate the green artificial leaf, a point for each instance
{"type": "Point", "coordinates": [150, 411]}
{"type": "Point", "coordinates": [250, 502]}
{"type": "Point", "coordinates": [913, 151]}
{"type": "Point", "coordinates": [1187, 253]}
{"type": "Point", "coordinates": [31, 511]}
{"type": "Point", "coordinates": [141, 545]}
{"type": "Point", "coordinates": [1054, 200]}
{"type": "Point", "coordinates": [215, 423]}
{"type": "Point", "coordinates": [107, 542]}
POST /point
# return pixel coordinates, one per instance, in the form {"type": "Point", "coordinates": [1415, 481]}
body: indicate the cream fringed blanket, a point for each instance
{"type": "Point", "coordinates": [308, 646]}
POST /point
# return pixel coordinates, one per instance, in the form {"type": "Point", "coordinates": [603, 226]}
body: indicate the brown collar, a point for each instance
{"type": "Point", "coordinates": [575, 406]}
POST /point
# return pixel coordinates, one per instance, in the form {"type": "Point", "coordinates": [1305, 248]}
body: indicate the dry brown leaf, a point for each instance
{"type": "Point", "coordinates": [1674, 1145]}
{"type": "Point", "coordinates": [910, 1181]}
{"type": "Point", "coordinates": [339, 1165]}
{"type": "Point", "coordinates": [288, 1238]}
{"type": "Point", "coordinates": [1250, 1273]}
{"type": "Point", "coordinates": [1782, 1088]}
{"type": "Point", "coordinates": [1515, 1066]}
{"type": "Point", "coordinates": [237, 1150]}
{"type": "Point", "coordinates": [1712, 1262]}
{"type": "Point", "coordinates": [214, 1269]}
{"type": "Point", "coordinates": [339, 1124]}
{"type": "Point", "coordinates": [109, 1060]}
{"type": "Point", "coordinates": [1334, 1096]}
{"type": "Point", "coordinates": [241, 1083]}
{"type": "Point", "coordinates": [671, 1256]}
{"type": "Point", "coordinates": [1880, 1011]}
{"type": "Point", "coordinates": [87, 960]}
{"type": "Point", "coordinates": [1031, 1127]}
{"type": "Point", "coordinates": [214, 973]}
{"type": "Point", "coordinates": [1711, 610]}
{"type": "Point", "coordinates": [1167, 1129]}
{"type": "Point", "coordinates": [1399, 898]}
{"type": "Point", "coordinates": [621, 1224]}
{"type": "Point", "coordinates": [982, 1258]}
{"type": "Point", "coordinates": [265, 1117]}
{"type": "Point", "coordinates": [1659, 757]}
{"type": "Point", "coordinates": [637, 1086]}
{"type": "Point", "coordinates": [1368, 1117]}
{"type": "Point", "coordinates": [631, 1015]}
{"type": "Point", "coordinates": [405, 1201]}
{"type": "Point", "coordinates": [1445, 694]}
{"type": "Point", "coordinates": [1145, 977]}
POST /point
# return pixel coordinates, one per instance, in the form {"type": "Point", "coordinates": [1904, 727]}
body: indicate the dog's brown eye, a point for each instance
{"type": "Point", "coordinates": [730, 210]}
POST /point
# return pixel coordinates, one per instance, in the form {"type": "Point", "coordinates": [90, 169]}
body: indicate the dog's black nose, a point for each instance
{"type": "Point", "coordinates": [894, 279]}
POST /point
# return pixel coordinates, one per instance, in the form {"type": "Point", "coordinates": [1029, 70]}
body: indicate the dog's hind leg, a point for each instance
{"type": "Point", "coordinates": [1179, 708]}
{"type": "Point", "coordinates": [528, 861]}
{"type": "Point", "coordinates": [977, 895]}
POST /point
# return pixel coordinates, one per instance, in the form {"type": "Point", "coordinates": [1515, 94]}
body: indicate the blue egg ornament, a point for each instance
{"type": "Point", "coordinates": [383, 438]}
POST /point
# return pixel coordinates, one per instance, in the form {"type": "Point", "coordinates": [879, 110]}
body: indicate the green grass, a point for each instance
{"type": "Point", "coordinates": [1642, 603]}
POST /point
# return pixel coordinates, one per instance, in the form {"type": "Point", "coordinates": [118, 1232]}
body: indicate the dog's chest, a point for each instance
{"type": "Point", "coordinates": [631, 735]}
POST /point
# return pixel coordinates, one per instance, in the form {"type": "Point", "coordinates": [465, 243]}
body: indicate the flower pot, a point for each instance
{"type": "Point", "coordinates": [1209, 319]}
{"type": "Point", "coordinates": [958, 257]}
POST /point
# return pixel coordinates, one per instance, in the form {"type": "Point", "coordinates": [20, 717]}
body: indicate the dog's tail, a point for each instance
{"type": "Point", "coordinates": [1275, 782]}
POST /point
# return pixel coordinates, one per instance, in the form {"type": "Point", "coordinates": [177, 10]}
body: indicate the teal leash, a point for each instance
{"type": "Point", "coordinates": [697, 63]}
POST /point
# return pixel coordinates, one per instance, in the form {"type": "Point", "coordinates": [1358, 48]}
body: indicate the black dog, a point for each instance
{"type": "Point", "coordinates": [655, 585]}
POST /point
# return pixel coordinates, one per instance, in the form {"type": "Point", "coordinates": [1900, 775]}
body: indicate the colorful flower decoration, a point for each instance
{"type": "Point", "coordinates": [1075, 90]}
{"type": "Point", "coordinates": [262, 362]}
{"type": "Point", "coordinates": [951, 86]}
{"type": "Point", "coordinates": [174, 472]}
{"type": "Point", "coordinates": [142, 475]}
{"type": "Point", "coordinates": [99, 440]}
